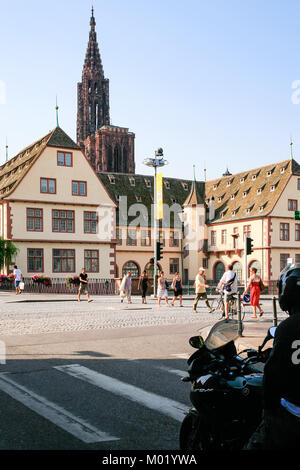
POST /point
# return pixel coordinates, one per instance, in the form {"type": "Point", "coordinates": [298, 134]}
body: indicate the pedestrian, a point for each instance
{"type": "Point", "coordinates": [18, 278]}
{"type": "Point", "coordinates": [177, 286]}
{"type": "Point", "coordinates": [162, 289]}
{"type": "Point", "coordinates": [143, 285]}
{"type": "Point", "coordinates": [125, 288]}
{"type": "Point", "coordinates": [83, 286]}
{"type": "Point", "coordinates": [280, 426]}
{"type": "Point", "coordinates": [229, 284]}
{"type": "Point", "coordinates": [200, 290]}
{"type": "Point", "coordinates": [255, 289]}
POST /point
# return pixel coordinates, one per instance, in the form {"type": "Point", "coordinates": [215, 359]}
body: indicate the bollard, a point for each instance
{"type": "Point", "coordinates": [240, 324]}
{"type": "Point", "coordinates": [274, 312]}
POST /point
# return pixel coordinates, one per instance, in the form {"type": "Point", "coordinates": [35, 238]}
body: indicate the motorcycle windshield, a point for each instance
{"type": "Point", "coordinates": [222, 333]}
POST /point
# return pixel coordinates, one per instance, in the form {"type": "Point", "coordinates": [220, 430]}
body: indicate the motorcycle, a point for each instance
{"type": "Point", "coordinates": [226, 390]}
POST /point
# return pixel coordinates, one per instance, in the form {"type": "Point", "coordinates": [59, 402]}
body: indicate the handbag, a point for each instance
{"type": "Point", "coordinates": [21, 285]}
{"type": "Point", "coordinates": [261, 285]}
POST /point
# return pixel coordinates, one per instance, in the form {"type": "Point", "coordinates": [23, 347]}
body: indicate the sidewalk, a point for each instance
{"type": "Point", "coordinates": [254, 333]}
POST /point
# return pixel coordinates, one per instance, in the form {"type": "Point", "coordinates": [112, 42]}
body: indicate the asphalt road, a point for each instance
{"type": "Point", "coordinates": [95, 376]}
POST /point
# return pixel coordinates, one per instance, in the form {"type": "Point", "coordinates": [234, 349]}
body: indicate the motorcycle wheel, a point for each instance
{"type": "Point", "coordinates": [194, 435]}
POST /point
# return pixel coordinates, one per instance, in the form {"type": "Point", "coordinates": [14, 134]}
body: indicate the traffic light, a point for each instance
{"type": "Point", "coordinates": [249, 245]}
{"type": "Point", "coordinates": [159, 250]}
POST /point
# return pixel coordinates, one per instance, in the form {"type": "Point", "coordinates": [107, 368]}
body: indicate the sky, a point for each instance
{"type": "Point", "coordinates": [215, 83]}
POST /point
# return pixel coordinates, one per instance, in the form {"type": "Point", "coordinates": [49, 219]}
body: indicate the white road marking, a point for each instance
{"type": "Point", "coordinates": [54, 413]}
{"type": "Point", "coordinates": [150, 400]}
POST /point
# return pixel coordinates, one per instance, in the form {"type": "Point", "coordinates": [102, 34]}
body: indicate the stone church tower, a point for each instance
{"type": "Point", "coordinates": [109, 148]}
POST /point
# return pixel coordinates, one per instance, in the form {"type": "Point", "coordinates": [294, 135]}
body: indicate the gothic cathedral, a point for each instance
{"type": "Point", "coordinates": [109, 148]}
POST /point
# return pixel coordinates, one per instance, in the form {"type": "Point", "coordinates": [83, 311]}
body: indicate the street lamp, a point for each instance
{"type": "Point", "coordinates": [156, 162]}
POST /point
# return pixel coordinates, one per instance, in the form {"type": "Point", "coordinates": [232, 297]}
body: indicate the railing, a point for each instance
{"type": "Point", "coordinates": [59, 286]}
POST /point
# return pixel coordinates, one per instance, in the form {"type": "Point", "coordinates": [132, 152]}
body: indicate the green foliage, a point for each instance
{"type": "Point", "coordinates": [7, 252]}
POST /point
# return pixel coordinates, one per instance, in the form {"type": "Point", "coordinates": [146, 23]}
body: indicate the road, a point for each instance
{"type": "Point", "coordinates": [101, 376]}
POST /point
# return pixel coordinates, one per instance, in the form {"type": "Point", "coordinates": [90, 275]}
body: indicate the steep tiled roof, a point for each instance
{"type": "Point", "coordinates": [139, 189]}
{"type": "Point", "coordinates": [251, 193]}
{"type": "Point", "coordinates": [14, 169]}
{"type": "Point", "coordinates": [194, 198]}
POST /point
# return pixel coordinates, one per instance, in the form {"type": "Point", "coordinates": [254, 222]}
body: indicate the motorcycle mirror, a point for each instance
{"type": "Point", "coordinates": [196, 342]}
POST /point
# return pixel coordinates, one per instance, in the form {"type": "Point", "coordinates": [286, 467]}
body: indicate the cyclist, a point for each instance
{"type": "Point", "coordinates": [230, 287]}
{"type": "Point", "coordinates": [280, 428]}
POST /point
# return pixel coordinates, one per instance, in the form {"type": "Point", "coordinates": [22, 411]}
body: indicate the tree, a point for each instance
{"type": "Point", "coordinates": [7, 252]}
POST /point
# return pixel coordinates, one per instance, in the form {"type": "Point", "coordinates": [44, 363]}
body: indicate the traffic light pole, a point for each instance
{"type": "Point", "coordinates": [155, 237]}
{"type": "Point", "coordinates": [245, 259]}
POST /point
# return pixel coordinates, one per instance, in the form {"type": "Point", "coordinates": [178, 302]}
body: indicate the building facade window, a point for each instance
{"type": "Point", "coordinates": [48, 185]}
{"type": "Point", "coordinates": [235, 237]}
{"type": "Point", "coordinates": [79, 188]}
{"type": "Point", "coordinates": [91, 261]}
{"type": "Point", "coordinates": [63, 261]}
{"type": "Point", "coordinates": [219, 270]}
{"type": "Point", "coordinates": [34, 220]}
{"type": "Point", "coordinates": [35, 260]}
{"type": "Point", "coordinates": [247, 230]}
{"type": "Point", "coordinates": [174, 238]}
{"type": "Point", "coordinates": [174, 265]}
{"type": "Point", "coordinates": [90, 220]}
{"type": "Point", "coordinates": [63, 221]}
{"type": "Point", "coordinates": [131, 237]}
{"type": "Point", "coordinates": [283, 260]}
{"type": "Point", "coordinates": [298, 184]}
{"type": "Point", "coordinates": [146, 237]}
{"type": "Point", "coordinates": [64, 158]}
{"type": "Point", "coordinates": [292, 205]}
{"type": "Point", "coordinates": [297, 258]}
{"type": "Point", "coordinates": [224, 237]}
{"type": "Point", "coordinates": [213, 238]}
{"type": "Point", "coordinates": [284, 231]}
{"type": "Point", "coordinates": [297, 232]}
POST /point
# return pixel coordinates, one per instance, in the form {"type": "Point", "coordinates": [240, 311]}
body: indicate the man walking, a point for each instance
{"type": "Point", "coordinates": [18, 278]}
{"type": "Point", "coordinates": [200, 286]}
{"type": "Point", "coordinates": [125, 288]}
{"type": "Point", "coordinates": [83, 287]}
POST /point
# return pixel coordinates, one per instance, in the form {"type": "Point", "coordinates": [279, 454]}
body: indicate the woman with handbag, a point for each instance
{"type": "Point", "coordinates": [256, 286]}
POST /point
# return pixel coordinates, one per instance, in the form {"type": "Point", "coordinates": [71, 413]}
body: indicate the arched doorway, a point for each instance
{"type": "Point", "coordinates": [149, 268]}
{"type": "Point", "coordinates": [218, 271]}
{"type": "Point", "coordinates": [255, 264]}
{"type": "Point", "coordinates": [237, 268]}
{"type": "Point", "coordinates": [133, 268]}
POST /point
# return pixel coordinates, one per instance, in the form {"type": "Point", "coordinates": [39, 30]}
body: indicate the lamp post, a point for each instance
{"type": "Point", "coordinates": [156, 162]}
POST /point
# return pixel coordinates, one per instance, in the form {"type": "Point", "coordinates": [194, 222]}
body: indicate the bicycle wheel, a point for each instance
{"type": "Point", "coordinates": [217, 304]}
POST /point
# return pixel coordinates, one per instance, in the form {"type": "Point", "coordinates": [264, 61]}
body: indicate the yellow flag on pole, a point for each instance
{"type": "Point", "coordinates": [159, 196]}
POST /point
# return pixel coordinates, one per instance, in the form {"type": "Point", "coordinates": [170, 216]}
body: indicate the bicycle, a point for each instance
{"type": "Point", "coordinates": [218, 304]}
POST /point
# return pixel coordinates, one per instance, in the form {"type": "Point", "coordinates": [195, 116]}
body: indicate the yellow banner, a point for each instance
{"type": "Point", "coordinates": [159, 196]}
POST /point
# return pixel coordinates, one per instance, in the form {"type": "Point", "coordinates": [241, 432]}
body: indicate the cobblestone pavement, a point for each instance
{"type": "Point", "coordinates": [38, 313]}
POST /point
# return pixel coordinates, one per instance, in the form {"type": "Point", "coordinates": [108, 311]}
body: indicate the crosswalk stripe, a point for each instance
{"type": "Point", "coordinates": [54, 413]}
{"type": "Point", "coordinates": [164, 405]}
{"type": "Point", "coordinates": [180, 373]}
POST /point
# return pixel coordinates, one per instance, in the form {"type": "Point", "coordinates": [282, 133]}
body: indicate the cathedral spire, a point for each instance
{"type": "Point", "coordinates": [92, 57]}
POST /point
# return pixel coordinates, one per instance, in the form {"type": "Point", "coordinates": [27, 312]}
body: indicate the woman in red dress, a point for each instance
{"type": "Point", "coordinates": [254, 285]}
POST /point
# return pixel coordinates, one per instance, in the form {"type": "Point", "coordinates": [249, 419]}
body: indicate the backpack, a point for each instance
{"type": "Point", "coordinates": [228, 284]}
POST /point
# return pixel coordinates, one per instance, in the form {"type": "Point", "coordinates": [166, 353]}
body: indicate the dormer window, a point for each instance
{"type": "Point", "coordinates": [272, 187]}
{"type": "Point", "coordinates": [111, 179]}
{"type": "Point", "coordinates": [242, 180]}
{"type": "Point", "coordinates": [229, 182]}
{"type": "Point", "coordinates": [232, 196]}
{"type": "Point", "coordinates": [148, 183]}
{"type": "Point", "coordinates": [118, 197]}
{"type": "Point", "coordinates": [167, 184]}
{"type": "Point", "coordinates": [173, 200]}
{"type": "Point", "coordinates": [215, 187]}
{"type": "Point", "coordinates": [254, 177]}
{"type": "Point", "coordinates": [138, 198]}
{"type": "Point", "coordinates": [132, 181]}
{"type": "Point", "coordinates": [233, 213]}
{"type": "Point", "coordinates": [259, 191]}
{"type": "Point", "coordinates": [185, 186]}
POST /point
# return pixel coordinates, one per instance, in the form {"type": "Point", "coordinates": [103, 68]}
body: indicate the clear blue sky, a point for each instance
{"type": "Point", "coordinates": [209, 81]}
